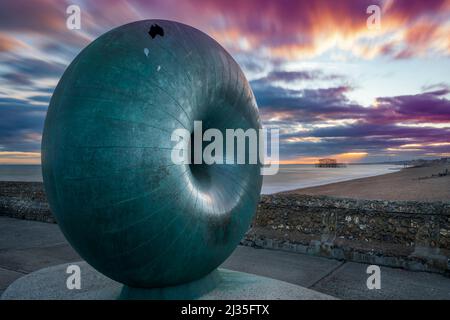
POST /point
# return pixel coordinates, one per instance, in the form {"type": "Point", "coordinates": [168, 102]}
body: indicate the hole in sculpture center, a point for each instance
{"type": "Point", "coordinates": [201, 171]}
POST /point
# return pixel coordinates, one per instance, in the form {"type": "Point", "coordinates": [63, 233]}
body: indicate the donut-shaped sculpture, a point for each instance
{"type": "Point", "coordinates": [119, 199]}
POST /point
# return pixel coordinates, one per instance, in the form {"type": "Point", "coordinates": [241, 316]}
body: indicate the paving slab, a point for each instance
{"type": "Point", "coordinates": [26, 246]}
{"type": "Point", "coordinates": [8, 276]}
{"type": "Point", "coordinates": [349, 282]}
{"type": "Point", "coordinates": [303, 270]}
{"type": "Point", "coordinates": [31, 259]}
{"type": "Point", "coordinates": [20, 234]}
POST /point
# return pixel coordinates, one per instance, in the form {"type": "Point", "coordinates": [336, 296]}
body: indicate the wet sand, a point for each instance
{"type": "Point", "coordinates": [408, 184]}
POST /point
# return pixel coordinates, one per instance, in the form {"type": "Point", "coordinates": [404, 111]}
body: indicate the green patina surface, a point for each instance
{"type": "Point", "coordinates": [118, 198]}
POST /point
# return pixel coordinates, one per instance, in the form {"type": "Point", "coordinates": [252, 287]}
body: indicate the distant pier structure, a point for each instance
{"type": "Point", "coordinates": [329, 163]}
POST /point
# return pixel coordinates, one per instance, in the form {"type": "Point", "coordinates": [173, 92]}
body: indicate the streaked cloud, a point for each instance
{"type": "Point", "coordinates": [7, 157]}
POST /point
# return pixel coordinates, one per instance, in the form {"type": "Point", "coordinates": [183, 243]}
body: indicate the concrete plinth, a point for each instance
{"type": "Point", "coordinates": [50, 283]}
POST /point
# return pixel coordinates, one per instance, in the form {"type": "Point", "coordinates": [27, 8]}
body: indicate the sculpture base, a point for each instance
{"type": "Point", "coordinates": [186, 291]}
{"type": "Point", "coordinates": [222, 284]}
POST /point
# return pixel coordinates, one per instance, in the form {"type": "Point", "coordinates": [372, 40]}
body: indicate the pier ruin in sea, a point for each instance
{"type": "Point", "coordinates": [329, 163]}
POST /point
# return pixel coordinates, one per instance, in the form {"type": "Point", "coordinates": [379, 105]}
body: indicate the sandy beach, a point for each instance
{"type": "Point", "coordinates": [414, 183]}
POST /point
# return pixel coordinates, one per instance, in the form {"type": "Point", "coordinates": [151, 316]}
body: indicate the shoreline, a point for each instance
{"type": "Point", "coordinates": [332, 181]}
{"type": "Point", "coordinates": [421, 183]}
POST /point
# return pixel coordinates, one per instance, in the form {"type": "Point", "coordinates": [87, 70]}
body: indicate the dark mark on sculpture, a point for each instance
{"type": "Point", "coordinates": [156, 30]}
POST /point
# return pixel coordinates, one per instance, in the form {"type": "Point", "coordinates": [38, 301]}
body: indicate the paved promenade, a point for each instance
{"type": "Point", "coordinates": [26, 246]}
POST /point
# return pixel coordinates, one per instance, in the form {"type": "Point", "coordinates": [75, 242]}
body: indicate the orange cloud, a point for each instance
{"type": "Point", "coordinates": [300, 29]}
{"type": "Point", "coordinates": [17, 157]}
{"type": "Point", "coordinates": [283, 29]}
{"type": "Point", "coordinates": [8, 44]}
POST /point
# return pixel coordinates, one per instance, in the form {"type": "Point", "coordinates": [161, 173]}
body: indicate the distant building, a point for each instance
{"type": "Point", "coordinates": [329, 163]}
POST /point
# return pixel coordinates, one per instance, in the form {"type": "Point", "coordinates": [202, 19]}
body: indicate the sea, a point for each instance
{"type": "Point", "coordinates": [289, 177]}
{"type": "Point", "coordinates": [295, 176]}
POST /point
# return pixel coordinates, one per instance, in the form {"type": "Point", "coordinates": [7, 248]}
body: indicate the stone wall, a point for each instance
{"type": "Point", "coordinates": [24, 200]}
{"type": "Point", "coordinates": [407, 234]}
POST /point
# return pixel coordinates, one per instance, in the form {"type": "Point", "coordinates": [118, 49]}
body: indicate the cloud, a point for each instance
{"type": "Point", "coordinates": [286, 29]}
{"type": "Point", "coordinates": [299, 29]}
{"type": "Point", "coordinates": [39, 16]}
{"type": "Point", "coordinates": [289, 76]}
{"type": "Point", "coordinates": [24, 74]}
{"type": "Point", "coordinates": [21, 125]}
{"type": "Point", "coordinates": [18, 79]}
{"type": "Point", "coordinates": [35, 67]}
{"type": "Point", "coordinates": [9, 44]}
{"type": "Point", "coordinates": [429, 107]}
{"type": "Point", "coordinates": [340, 157]}
{"type": "Point", "coordinates": [321, 122]}
{"type": "Point", "coordinates": [40, 99]}
{"type": "Point", "coordinates": [313, 105]}
{"type": "Point", "coordinates": [8, 157]}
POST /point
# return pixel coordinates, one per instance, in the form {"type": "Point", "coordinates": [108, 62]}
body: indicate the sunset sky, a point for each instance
{"type": "Point", "coordinates": [333, 86]}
